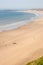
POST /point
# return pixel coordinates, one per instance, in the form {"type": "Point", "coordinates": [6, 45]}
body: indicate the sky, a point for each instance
{"type": "Point", "coordinates": [21, 4]}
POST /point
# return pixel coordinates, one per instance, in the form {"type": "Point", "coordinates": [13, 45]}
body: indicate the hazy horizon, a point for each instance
{"type": "Point", "coordinates": [21, 4]}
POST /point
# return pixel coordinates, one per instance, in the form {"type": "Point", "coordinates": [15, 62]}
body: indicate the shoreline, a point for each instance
{"type": "Point", "coordinates": [16, 25]}
{"type": "Point", "coordinates": [19, 46]}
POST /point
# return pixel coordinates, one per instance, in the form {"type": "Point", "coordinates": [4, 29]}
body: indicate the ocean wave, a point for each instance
{"type": "Point", "coordinates": [12, 26]}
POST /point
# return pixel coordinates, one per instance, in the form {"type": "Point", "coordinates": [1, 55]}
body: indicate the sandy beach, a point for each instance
{"type": "Point", "coordinates": [17, 47]}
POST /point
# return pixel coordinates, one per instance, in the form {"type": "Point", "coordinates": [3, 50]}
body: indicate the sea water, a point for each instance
{"type": "Point", "coordinates": [13, 19]}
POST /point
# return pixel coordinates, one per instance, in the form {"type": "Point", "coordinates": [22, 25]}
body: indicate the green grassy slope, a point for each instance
{"type": "Point", "coordinates": [39, 61]}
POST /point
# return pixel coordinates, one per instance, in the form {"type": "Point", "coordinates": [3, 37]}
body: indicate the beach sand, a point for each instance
{"type": "Point", "coordinates": [17, 47]}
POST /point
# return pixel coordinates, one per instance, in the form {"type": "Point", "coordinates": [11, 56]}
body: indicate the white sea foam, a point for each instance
{"type": "Point", "coordinates": [12, 26]}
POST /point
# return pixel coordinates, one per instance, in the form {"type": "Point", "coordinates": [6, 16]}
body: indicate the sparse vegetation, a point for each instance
{"type": "Point", "coordinates": [39, 61]}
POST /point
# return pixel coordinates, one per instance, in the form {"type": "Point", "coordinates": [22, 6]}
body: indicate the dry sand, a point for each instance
{"type": "Point", "coordinates": [24, 44]}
